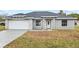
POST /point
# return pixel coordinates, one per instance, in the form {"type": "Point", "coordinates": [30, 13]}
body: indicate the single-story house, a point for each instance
{"type": "Point", "coordinates": [39, 20]}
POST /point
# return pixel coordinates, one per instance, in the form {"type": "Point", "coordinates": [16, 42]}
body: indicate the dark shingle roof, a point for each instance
{"type": "Point", "coordinates": [19, 14]}
{"type": "Point", "coordinates": [40, 13]}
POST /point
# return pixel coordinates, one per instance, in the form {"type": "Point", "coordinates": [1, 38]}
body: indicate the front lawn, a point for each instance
{"type": "Point", "coordinates": [47, 39]}
{"type": "Point", "coordinates": [2, 27]}
{"type": "Point", "coordinates": [77, 27]}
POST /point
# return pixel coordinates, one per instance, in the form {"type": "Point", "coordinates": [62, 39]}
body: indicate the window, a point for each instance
{"type": "Point", "coordinates": [48, 22]}
{"type": "Point", "coordinates": [64, 22]}
{"type": "Point", "coordinates": [38, 22]}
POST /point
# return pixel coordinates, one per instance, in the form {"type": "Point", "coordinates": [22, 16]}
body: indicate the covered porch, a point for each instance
{"type": "Point", "coordinates": [43, 23]}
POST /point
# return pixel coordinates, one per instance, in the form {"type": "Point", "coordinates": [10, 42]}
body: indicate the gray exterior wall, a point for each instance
{"type": "Point", "coordinates": [70, 24]}
{"type": "Point", "coordinates": [55, 24]}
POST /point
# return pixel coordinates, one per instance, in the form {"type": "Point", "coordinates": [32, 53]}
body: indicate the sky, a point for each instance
{"type": "Point", "coordinates": [11, 12]}
{"type": "Point", "coordinates": [9, 7]}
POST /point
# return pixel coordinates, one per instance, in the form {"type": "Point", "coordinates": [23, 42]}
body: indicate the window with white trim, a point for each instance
{"type": "Point", "coordinates": [38, 22]}
{"type": "Point", "coordinates": [64, 22]}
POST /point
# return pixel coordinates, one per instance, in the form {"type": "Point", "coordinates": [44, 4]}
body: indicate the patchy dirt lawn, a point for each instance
{"type": "Point", "coordinates": [47, 39]}
{"type": "Point", "coordinates": [2, 27]}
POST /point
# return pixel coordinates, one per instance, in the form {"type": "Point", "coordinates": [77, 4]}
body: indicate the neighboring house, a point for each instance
{"type": "Point", "coordinates": [39, 20]}
{"type": "Point", "coordinates": [2, 20]}
{"type": "Point", "coordinates": [77, 22]}
{"type": "Point", "coordinates": [2, 23]}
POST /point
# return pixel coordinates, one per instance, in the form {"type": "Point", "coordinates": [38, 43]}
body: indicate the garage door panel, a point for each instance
{"type": "Point", "coordinates": [19, 25]}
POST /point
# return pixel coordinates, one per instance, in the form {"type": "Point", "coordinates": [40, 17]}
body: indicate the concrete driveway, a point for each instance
{"type": "Point", "coordinates": [7, 36]}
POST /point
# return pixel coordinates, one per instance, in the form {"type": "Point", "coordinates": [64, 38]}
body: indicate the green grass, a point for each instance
{"type": "Point", "coordinates": [77, 27]}
{"type": "Point", "coordinates": [2, 27]}
{"type": "Point", "coordinates": [47, 39]}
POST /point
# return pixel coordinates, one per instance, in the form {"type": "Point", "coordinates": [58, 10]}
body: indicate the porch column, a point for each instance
{"type": "Point", "coordinates": [53, 24]}
{"type": "Point", "coordinates": [44, 24]}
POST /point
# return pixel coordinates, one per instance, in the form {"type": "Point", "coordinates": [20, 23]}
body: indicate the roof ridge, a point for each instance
{"type": "Point", "coordinates": [19, 14]}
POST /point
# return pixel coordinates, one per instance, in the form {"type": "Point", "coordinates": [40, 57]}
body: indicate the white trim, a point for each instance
{"type": "Point", "coordinates": [66, 18]}
{"type": "Point", "coordinates": [48, 16]}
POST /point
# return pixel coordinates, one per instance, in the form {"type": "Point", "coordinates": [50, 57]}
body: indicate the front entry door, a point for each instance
{"type": "Point", "coordinates": [48, 24]}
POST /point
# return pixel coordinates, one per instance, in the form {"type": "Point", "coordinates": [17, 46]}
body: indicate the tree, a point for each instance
{"type": "Point", "coordinates": [62, 12]}
{"type": "Point", "coordinates": [74, 15]}
{"type": "Point", "coordinates": [1, 19]}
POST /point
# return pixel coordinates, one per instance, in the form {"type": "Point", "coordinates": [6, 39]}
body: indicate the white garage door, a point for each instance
{"type": "Point", "coordinates": [20, 24]}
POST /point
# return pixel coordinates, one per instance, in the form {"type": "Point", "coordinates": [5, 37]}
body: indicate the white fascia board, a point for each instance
{"type": "Point", "coordinates": [66, 18]}
{"type": "Point", "coordinates": [48, 16]}
{"type": "Point", "coordinates": [37, 18]}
